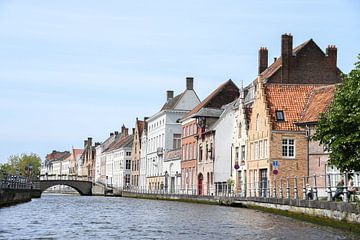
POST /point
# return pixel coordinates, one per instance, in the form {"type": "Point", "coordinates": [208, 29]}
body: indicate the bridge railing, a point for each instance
{"type": "Point", "coordinates": [18, 182]}
{"type": "Point", "coordinates": [330, 187]}
{"type": "Point", "coordinates": [65, 177]}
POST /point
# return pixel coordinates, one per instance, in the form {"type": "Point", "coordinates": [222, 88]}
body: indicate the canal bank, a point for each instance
{"type": "Point", "coordinates": [336, 214]}
{"type": "Point", "coordinates": [10, 197]}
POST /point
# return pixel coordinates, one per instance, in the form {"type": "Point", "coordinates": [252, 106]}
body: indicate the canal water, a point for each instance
{"type": "Point", "coordinates": [79, 217]}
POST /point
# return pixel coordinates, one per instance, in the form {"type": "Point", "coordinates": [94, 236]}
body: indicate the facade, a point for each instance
{"type": "Point", "coordinates": [136, 152]}
{"type": "Point", "coordinates": [118, 160]}
{"type": "Point", "coordinates": [164, 133]}
{"type": "Point", "coordinates": [143, 153]}
{"type": "Point", "coordinates": [242, 110]}
{"type": "Point", "coordinates": [281, 92]}
{"type": "Point", "coordinates": [189, 155]}
{"type": "Point", "coordinates": [87, 160]}
{"type": "Point", "coordinates": [205, 115]}
{"type": "Point", "coordinates": [100, 158]}
{"type": "Point", "coordinates": [172, 162]}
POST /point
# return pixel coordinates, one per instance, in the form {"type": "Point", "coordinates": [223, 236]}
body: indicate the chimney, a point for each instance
{"type": "Point", "coordinates": [85, 143]}
{"type": "Point", "coordinates": [189, 83]}
{"type": "Point", "coordinates": [111, 134]}
{"type": "Point", "coordinates": [263, 59]}
{"type": "Point", "coordinates": [90, 141]}
{"type": "Point", "coordinates": [331, 52]}
{"type": "Point", "coordinates": [116, 133]}
{"type": "Point", "coordinates": [133, 131]}
{"type": "Point", "coordinates": [169, 95]}
{"type": "Point", "coordinates": [97, 144]}
{"type": "Point", "coordinates": [286, 56]}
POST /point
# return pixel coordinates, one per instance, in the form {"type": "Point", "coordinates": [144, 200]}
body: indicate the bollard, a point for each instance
{"type": "Point", "coordinates": [345, 198]}
{"type": "Point", "coordinates": [280, 189]}
{"type": "Point", "coordinates": [315, 189]}
{"type": "Point", "coordinates": [304, 189]}
{"type": "Point", "coordinates": [329, 188]}
{"type": "Point", "coordinates": [274, 189]}
{"type": "Point", "coordinates": [295, 188]}
{"type": "Point", "coordinates": [287, 188]}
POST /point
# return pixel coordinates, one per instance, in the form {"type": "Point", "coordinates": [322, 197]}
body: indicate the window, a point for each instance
{"type": "Point", "coordinates": [207, 152]}
{"type": "Point", "coordinates": [176, 141]}
{"type": "Point", "coordinates": [258, 122]}
{"type": "Point", "coordinates": [261, 149]}
{"type": "Point", "coordinates": [288, 147]}
{"type": "Point", "coordinates": [128, 164]}
{"type": "Point", "coordinates": [200, 153]}
{"type": "Point", "coordinates": [251, 151]}
{"type": "Point", "coordinates": [127, 179]}
{"type": "Point", "coordinates": [243, 153]}
{"type": "Point", "coordinates": [187, 152]}
{"type": "Point", "coordinates": [239, 129]}
{"type": "Point", "coordinates": [279, 115]}
{"type": "Point", "coordinates": [190, 151]}
{"type": "Point", "coordinates": [211, 151]}
{"type": "Point", "coordinates": [128, 154]}
{"type": "Point", "coordinates": [237, 154]}
{"type": "Point", "coordinates": [256, 150]}
{"type": "Point", "coordinates": [184, 152]}
{"type": "Point", "coordinates": [265, 149]}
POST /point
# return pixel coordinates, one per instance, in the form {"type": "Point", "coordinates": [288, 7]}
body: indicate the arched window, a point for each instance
{"type": "Point", "coordinates": [258, 122]}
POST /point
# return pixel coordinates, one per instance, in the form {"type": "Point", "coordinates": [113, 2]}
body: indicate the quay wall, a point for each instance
{"type": "Point", "coordinates": [13, 196]}
{"type": "Point", "coordinates": [336, 214]}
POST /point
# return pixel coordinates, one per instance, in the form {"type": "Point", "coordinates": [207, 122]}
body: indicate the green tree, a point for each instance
{"type": "Point", "coordinates": [339, 126]}
{"type": "Point", "coordinates": [22, 163]}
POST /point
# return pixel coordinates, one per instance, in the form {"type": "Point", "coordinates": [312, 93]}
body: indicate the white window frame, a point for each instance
{"type": "Point", "coordinates": [287, 144]}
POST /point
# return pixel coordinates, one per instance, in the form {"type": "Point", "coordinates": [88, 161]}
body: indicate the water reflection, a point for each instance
{"type": "Point", "coordinates": [79, 217]}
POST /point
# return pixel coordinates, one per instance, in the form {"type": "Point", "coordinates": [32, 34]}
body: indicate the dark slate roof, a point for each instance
{"type": "Point", "coordinates": [208, 112]}
{"type": "Point", "coordinates": [121, 142]}
{"type": "Point", "coordinates": [171, 103]}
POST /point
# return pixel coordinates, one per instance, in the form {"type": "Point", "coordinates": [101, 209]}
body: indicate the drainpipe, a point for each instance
{"type": "Point", "coordinates": [308, 147]}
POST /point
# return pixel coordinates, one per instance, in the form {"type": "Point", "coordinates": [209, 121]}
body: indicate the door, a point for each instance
{"type": "Point", "coordinates": [200, 180]}
{"type": "Point", "coordinates": [239, 182]}
{"type": "Point", "coordinates": [172, 185]}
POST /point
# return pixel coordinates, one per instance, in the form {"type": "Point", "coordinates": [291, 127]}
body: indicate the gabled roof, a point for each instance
{"type": "Point", "coordinates": [121, 142]}
{"type": "Point", "coordinates": [289, 98]}
{"type": "Point", "coordinates": [276, 65]}
{"type": "Point", "coordinates": [140, 127]}
{"type": "Point", "coordinates": [318, 102]}
{"type": "Point", "coordinates": [172, 102]}
{"type": "Point", "coordinates": [208, 100]}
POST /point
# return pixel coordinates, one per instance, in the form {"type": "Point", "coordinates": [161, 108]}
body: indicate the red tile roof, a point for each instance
{"type": "Point", "coordinates": [318, 102]}
{"type": "Point", "coordinates": [291, 99]}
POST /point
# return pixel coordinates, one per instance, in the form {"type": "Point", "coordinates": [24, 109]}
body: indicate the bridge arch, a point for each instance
{"type": "Point", "coordinates": [84, 188]}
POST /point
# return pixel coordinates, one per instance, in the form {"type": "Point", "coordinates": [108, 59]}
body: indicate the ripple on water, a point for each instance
{"type": "Point", "coordinates": [79, 217]}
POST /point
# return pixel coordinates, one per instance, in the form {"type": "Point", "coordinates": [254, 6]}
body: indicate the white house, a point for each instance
{"type": "Point", "coordinates": [164, 133]}
{"type": "Point", "coordinates": [143, 162]}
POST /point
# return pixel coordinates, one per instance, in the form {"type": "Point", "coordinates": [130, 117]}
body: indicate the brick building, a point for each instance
{"type": "Point", "coordinates": [135, 160]}
{"type": "Point", "coordinates": [281, 92]}
{"type": "Point", "coordinates": [198, 159]}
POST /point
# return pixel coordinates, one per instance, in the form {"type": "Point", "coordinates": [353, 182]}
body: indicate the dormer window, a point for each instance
{"type": "Point", "coordinates": [279, 115]}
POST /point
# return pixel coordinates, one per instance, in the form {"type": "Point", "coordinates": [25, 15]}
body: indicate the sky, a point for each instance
{"type": "Point", "coordinates": [76, 69]}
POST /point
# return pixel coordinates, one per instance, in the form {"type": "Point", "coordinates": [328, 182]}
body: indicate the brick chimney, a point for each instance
{"type": "Point", "coordinates": [189, 83]}
{"type": "Point", "coordinates": [169, 95]}
{"type": "Point", "coordinates": [124, 131]}
{"type": "Point", "coordinates": [286, 56]}
{"type": "Point", "coordinates": [331, 53]}
{"type": "Point", "coordinates": [133, 131]}
{"type": "Point", "coordinates": [85, 143]}
{"type": "Point", "coordinates": [263, 59]}
{"type": "Point", "coordinates": [89, 141]}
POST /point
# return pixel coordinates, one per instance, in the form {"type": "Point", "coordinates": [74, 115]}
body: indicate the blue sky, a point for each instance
{"type": "Point", "coordinates": [74, 69]}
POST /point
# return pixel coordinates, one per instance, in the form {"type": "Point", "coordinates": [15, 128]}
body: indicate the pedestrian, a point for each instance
{"type": "Point", "coordinates": [350, 188]}
{"type": "Point", "coordinates": [339, 189]}
{"type": "Point", "coordinates": [309, 192]}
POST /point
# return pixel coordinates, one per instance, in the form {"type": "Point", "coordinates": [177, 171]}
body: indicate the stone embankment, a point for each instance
{"type": "Point", "coordinates": [337, 214]}
{"type": "Point", "coordinates": [13, 196]}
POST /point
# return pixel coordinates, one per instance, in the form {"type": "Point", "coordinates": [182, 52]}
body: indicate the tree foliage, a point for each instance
{"type": "Point", "coordinates": [22, 163]}
{"type": "Point", "coordinates": [339, 126]}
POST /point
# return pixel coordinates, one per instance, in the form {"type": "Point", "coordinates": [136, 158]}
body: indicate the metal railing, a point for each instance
{"type": "Point", "coordinates": [330, 187]}
{"type": "Point", "coordinates": [19, 182]}
{"type": "Point", "coordinates": [65, 177]}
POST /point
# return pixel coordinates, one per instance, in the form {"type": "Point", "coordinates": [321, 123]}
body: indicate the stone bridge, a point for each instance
{"type": "Point", "coordinates": [82, 187]}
